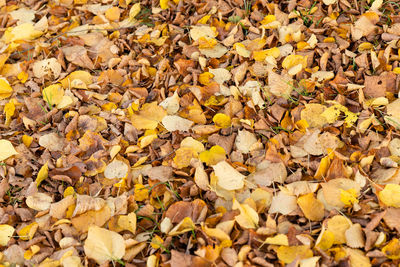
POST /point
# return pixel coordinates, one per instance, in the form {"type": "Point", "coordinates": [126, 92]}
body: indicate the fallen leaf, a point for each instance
{"type": "Point", "coordinates": [248, 217]}
{"type": "Point", "coordinates": [6, 232]}
{"type": "Point", "coordinates": [42, 174]}
{"type": "Point", "coordinates": [148, 117]}
{"type": "Point", "coordinates": [103, 245]}
{"type": "Point", "coordinates": [176, 123]}
{"type": "Point", "coordinates": [312, 208]}
{"type": "Point", "coordinates": [6, 150]}
{"type": "Point", "coordinates": [39, 201]}
{"type": "Point", "coordinates": [228, 177]}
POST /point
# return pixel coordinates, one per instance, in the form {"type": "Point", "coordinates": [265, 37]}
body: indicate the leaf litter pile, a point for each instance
{"type": "Point", "coordinates": [199, 133]}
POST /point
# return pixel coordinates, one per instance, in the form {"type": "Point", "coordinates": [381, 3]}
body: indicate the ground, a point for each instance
{"type": "Point", "coordinates": [199, 133]}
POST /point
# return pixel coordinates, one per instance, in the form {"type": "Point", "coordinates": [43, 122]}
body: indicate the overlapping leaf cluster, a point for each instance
{"type": "Point", "coordinates": [199, 133]}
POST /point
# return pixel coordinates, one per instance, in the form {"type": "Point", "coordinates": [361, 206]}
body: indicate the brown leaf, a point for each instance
{"type": "Point", "coordinates": [196, 210]}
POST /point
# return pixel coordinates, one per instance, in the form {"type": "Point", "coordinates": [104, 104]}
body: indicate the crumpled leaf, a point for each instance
{"type": "Point", "coordinates": [103, 245]}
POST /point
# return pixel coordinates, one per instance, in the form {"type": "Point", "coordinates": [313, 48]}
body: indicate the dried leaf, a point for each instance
{"type": "Point", "coordinates": [103, 245]}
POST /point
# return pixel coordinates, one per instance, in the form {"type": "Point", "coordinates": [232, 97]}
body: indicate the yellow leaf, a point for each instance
{"type": "Point", "coordinates": [392, 249]}
{"type": "Point", "coordinates": [141, 193]}
{"type": "Point", "coordinates": [325, 239]}
{"type": "Point", "coordinates": [128, 222]}
{"type": "Point", "coordinates": [221, 120]}
{"type": "Point", "coordinates": [192, 143]}
{"type": "Point", "coordinates": [69, 191]}
{"type": "Point", "coordinates": [338, 225]}
{"type": "Point", "coordinates": [164, 4]}
{"type": "Point", "coordinates": [78, 79]}
{"type": "Point", "coordinates": [42, 174]}
{"type": "Point", "coordinates": [312, 208]}
{"type": "Point", "coordinates": [148, 117]}
{"type": "Point", "coordinates": [183, 156]}
{"type": "Point", "coordinates": [6, 232]}
{"type": "Point", "coordinates": [213, 156]}
{"type": "Point", "coordinates": [9, 110]}
{"type": "Point", "coordinates": [31, 252]}
{"type": "Point", "coordinates": [204, 19]}
{"type": "Point", "coordinates": [134, 11]}
{"type": "Point", "coordinates": [5, 89]}
{"type": "Point", "coordinates": [348, 197]}
{"type": "Point", "coordinates": [6, 150]}
{"type": "Point", "coordinates": [147, 138]}
{"type": "Point", "coordinates": [205, 78]}
{"type": "Point", "coordinates": [357, 257]}
{"type": "Point", "coordinates": [312, 114]}
{"type": "Point", "coordinates": [365, 46]}
{"type": "Point", "coordinates": [390, 195]}
{"type": "Point", "coordinates": [332, 114]}
{"type": "Point", "coordinates": [27, 232]}
{"type": "Point", "coordinates": [156, 242]}
{"type": "Point", "coordinates": [396, 70]}
{"type": "Point", "coordinates": [103, 245]}
{"type": "Point", "coordinates": [22, 76]}
{"type": "Point", "coordinates": [248, 217]}
{"type": "Point", "coordinates": [228, 177]}
{"type": "Point", "coordinates": [289, 254]}
{"type": "Point", "coordinates": [279, 239]}
{"type": "Point", "coordinates": [22, 32]}
{"type": "Point", "coordinates": [274, 52]}
{"type": "Point", "coordinates": [259, 55]}
{"type": "Point", "coordinates": [294, 60]}
{"type": "Point", "coordinates": [323, 168]}
{"type": "Point", "coordinates": [241, 50]}
{"type": "Point", "coordinates": [268, 19]}
{"type": "Point", "coordinates": [53, 94]}
{"type": "Point", "coordinates": [113, 13]}
{"type": "Point", "coordinates": [184, 226]}
{"type": "Point", "coordinates": [217, 233]}
{"type": "Point", "coordinates": [27, 140]}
